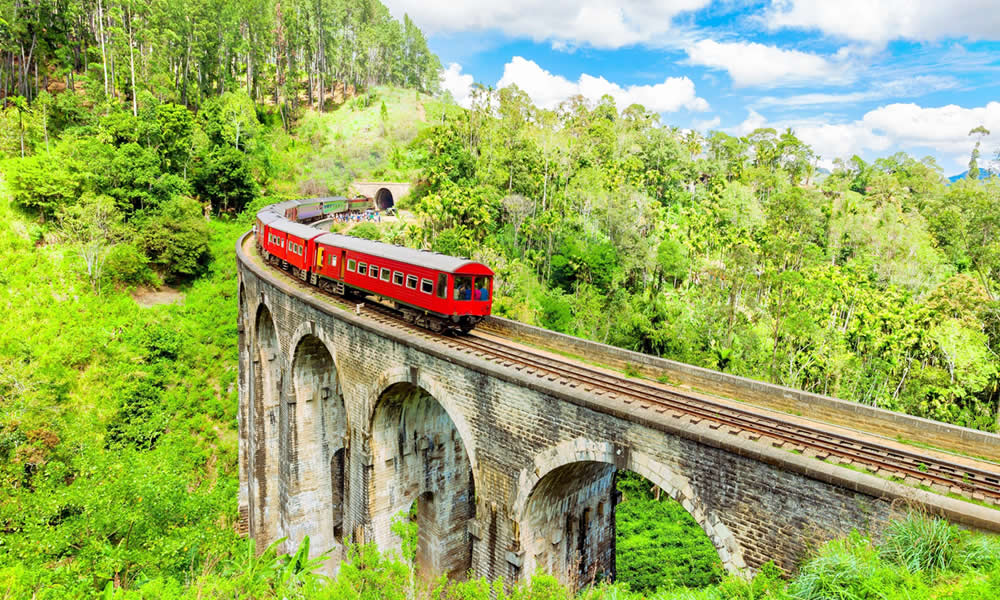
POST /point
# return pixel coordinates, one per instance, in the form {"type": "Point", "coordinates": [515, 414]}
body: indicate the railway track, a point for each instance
{"type": "Point", "coordinates": [928, 470]}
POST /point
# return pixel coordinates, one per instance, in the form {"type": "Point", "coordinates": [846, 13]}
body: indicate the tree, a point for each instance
{"type": "Point", "coordinates": [92, 225]}
{"type": "Point", "coordinates": [224, 180]}
{"type": "Point", "coordinates": [21, 106]}
{"type": "Point", "coordinates": [43, 183]}
{"type": "Point", "coordinates": [980, 132]}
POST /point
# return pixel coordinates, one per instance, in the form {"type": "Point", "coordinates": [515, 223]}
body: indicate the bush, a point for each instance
{"type": "Point", "coordinates": [176, 240]}
{"type": "Point", "coordinates": [40, 183]}
{"type": "Point", "coordinates": [368, 231]}
{"type": "Point", "coordinates": [127, 264]}
{"type": "Point", "coordinates": [139, 420]}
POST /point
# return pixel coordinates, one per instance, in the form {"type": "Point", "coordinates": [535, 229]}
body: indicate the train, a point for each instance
{"type": "Point", "coordinates": [436, 291]}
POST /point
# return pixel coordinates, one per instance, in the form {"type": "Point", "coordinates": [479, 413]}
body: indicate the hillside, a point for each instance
{"type": "Point", "coordinates": [355, 141]}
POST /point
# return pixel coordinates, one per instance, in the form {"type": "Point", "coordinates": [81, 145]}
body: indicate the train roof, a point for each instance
{"type": "Point", "coordinates": [297, 229]}
{"type": "Point", "coordinates": [267, 216]}
{"type": "Point", "coordinates": [432, 260]}
{"type": "Point", "coordinates": [281, 207]}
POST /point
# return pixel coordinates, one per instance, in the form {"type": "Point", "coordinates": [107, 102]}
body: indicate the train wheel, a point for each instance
{"type": "Point", "coordinates": [467, 327]}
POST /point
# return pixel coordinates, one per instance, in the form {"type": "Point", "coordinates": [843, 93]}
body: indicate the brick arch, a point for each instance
{"type": "Point", "coordinates": [310, 328]}
{"type": "Point", "coordinates": [417, 452]}
{"type": "Point", "coordinates": [317, 421]}
{"type": "Point", "coordinates": [263, 417]}
{"type": "Point", "coordinates": [433, 387]}
{"type": "Point", "coordinates": [582, 451]}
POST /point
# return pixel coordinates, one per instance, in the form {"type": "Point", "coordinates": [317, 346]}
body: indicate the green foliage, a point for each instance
{"type": "Point", "coordinates": [366, 230]}
{"type": "Point", "coordinates": [658, 544]}
{"type": "Point", "coordinates": [920, 543]}
{"type": "Point", "coordinates": [176, 240]}
{"type": "Point", "coordinates": [139, 420]}
{"type": "Point", "coordinates": [39, 183]}
{"type": "Point", "coordinates": [127, 265]}
{"type": "Point", "coordinates": [224, 179]}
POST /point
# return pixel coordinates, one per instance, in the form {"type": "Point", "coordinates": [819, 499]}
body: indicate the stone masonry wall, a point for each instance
{"type": "Point", "coordinates": [508, 430]}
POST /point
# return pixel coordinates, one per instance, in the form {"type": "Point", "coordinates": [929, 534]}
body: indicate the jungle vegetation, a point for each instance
{"type": "Point", "coordinates": [876, 283]}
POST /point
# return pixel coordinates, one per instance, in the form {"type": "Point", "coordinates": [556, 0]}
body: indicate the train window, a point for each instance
{"type": "Point", "coordinates": [463, 287]}
{"type": "Point", "coordinates": [362, 268]}
{"type": "Point", "coordinates": [427, 286]}
{"type": "Point", "coordinates": [411, 282]}
{"type": "Point", "coordinates": [373, 272]}
{"type": "Point", "coordinates": [397, 278]}
{"type": "Point", "coordinates": [386, 273]}
{"type": "Point", "coordinates": [333, 260]}
{"type": "Point", "coordinates": [442, 286]}
{"type": "Point", "coordinates": [482, 291]}
{"type": "Point", "coordinates": [351, 263]}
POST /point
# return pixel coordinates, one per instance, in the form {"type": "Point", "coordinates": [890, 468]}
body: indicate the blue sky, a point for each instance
{"type": "Point", "coordinates": [867, 77]}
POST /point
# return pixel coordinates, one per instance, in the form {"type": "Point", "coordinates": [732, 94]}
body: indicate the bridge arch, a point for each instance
{"type": "Point", "coordinates": [576, 545]}
{"type": "Point", "coordinates": [263, 419]}
{"type": "Point", "coordinates": [318, 420]}
{"type": "Point", "coordinates": [418, 453]}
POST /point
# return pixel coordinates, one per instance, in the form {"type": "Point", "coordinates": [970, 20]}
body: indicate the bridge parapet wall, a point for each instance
{"type": "Point", "coordinates": [825, 408]}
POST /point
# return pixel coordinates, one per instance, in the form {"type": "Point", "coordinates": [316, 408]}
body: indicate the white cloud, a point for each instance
{"type": "Point", "coordinates": [754, 120]}
{"type": "Point", "coordinates": [945, 129]}
{"type": "Point", "coordinates": [753, 64]}
{"type": "Point", "coordinates": [547, 90]}
{"type": "Point", "coordinates": [458, 83]}
{"type": "Point", "coordinates": [878, 21]}
{"type": "Point", "coordinates": [939, 130]}
{"type": "Point", "coordinates": [915, 86]}
{"type": "Point", "coordinates": [596, 23]}
{"type": "Point", "coordinates": [706, 125]}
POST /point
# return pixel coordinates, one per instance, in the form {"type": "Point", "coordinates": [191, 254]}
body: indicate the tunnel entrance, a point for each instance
{"type": "Point", "coordinates": [384, 199]}
{"type": "Point", "coordinates": [587, 522]}
{"type": "Point", "coordinates": [419, 456]}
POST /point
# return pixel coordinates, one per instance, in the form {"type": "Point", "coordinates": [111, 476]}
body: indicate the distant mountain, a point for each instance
{"type": "Point", "coordinates": [983, 174]}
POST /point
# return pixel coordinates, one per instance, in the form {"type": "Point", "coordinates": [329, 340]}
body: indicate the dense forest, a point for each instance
{"type": "Point", "coordinates": [190, 50]}
{"type": "Point", "coordinates": [137, 140]}
{"type": "Point", "coordinates": [877, 283]}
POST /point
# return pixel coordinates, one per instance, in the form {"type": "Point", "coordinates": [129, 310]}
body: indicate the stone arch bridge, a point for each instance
{"type": "Point", "coordinates": [343, 425]}
{"type": "Point", "coordinates": [384, 193]}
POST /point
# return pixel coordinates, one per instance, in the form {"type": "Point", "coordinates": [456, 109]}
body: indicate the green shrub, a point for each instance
{"type": "Point", "coordinates": [128, 265]}
{"type": "Point", "coordinates": [176, 240]}
{"type": "Point", "coordinates": [368, 231]}
{"type": "Point", "coordinates": [921, 543]}
{"type": "Point", "coordinates": [980, 552]}
{"type": "Point", "coordinates": [658, 544]}
{"type": "Point", "coordinates": [139, 420]}
{"type": "Point", "coordinates": [42, 184]}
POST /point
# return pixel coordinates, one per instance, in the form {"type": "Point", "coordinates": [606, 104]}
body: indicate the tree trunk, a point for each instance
{"type": "Point", "coordinates": [104, 55]}
{"type": "Point", "coordinates": [131, 63]}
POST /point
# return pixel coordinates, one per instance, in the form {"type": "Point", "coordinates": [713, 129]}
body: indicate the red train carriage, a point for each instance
{"type": "Point", "coordinates": [289, 243]}
{"type": "Point", "coordinates": [431, 289]}
{"type": "Point", "coordinates": [264, 218]}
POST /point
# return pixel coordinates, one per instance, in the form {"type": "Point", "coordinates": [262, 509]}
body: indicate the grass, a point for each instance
{"type": "Point", "coordinates": [331, 150]}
